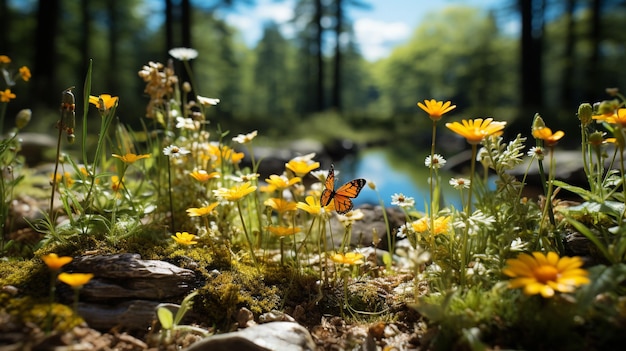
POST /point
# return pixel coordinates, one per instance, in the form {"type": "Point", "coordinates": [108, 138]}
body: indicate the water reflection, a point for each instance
{"type": "Point", "coordinates": [393, 174]}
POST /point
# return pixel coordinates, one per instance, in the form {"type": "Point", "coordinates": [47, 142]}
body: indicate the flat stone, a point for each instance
{"type": "Point", "coordinates": [262, 337]}
{"type": "Point", "coordinates": [127, 277]}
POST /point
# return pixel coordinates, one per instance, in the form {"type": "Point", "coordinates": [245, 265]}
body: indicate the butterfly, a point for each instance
{"type": "Point", "coordinates": [342, 196]}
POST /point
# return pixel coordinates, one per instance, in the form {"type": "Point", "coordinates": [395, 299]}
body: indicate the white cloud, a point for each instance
{"type": "Point", "coordinates": [376, 38]}
{"type": "Point", "coordinates": [250, 20]}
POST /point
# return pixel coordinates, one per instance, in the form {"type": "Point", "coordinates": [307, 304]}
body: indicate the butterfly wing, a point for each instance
{"type": "Point", "coordinates": [329, 185]}
{"type": "Point", "coordinates": [345, 193]}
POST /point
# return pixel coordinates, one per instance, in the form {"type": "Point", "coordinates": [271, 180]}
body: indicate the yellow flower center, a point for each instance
{"type": "Point", "coordinates": [545, 274]}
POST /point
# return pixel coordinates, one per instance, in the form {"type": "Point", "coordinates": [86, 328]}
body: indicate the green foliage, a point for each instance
{"type": "Point", "coordinates": [468, 61]}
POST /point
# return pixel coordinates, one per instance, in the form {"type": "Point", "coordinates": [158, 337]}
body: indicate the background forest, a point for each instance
{"type": "Point", "coordinates": [566, 52]}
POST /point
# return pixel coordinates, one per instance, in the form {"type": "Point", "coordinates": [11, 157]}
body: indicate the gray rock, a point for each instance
{"type": "Point", "coordinates": [128, 315]}
{"type": "Point", "coordinates": [127, 276]}
{"type": "Point", "coordinates": [262, 337]}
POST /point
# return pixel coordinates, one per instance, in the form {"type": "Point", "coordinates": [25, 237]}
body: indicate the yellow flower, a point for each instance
{"type": "Point", "coordinates": [201, 211]}
{"type": "Point", "coordinates": [224, 153]}
{"type": "Point", "coordinates": [202, 175]}
{"type": "Point", "coordinates": [350, 258]}
{"type": "Point", "coordinates": [281, 182]}
{"type": "Point", "coordinates": [280, 205]}
{"type": "Point", "coordinates": [116, 183]}
{"type": "Point", "coordinates": [5, 59]}
{"type": "Point", "coordinates": [436, 109]}
{"type": "Point", "coordinates": [547, 136]}
{"type": "Point", "coordinates": [314, 207]}
{"type": "Point", "coordinates": [184, 238]}
{"type": "Point", "coordinates": [108, 101]}
{"type": "Point", "coordinates": [423, 224]}
{"type": "Point", "coordinates": [545, 274]}
{"type": "Point", "coordinates": [25, 73]}
{"type": "Point", "coordinates": [283, 231]}
{"type": "Point", "coordinates": [54, 262]}
{"type": "Point", "coordinates": [75, 280]}
{"type": "Point", "coordinates": [618, 117]}
{"type": "Point", "coordinates": [235, 193]}
{"type": "Point", "coordinates": [301, 167]}
{"type": "Point", "coordinates": [474, 131]}
{"type": "Point", "coordinates": [130, 157]}
{"type": "Point", "coordinates": [6, 95]}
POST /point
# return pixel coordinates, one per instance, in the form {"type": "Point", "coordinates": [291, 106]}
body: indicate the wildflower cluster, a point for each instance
{"type": "Point", "coordinates": [10, 164]}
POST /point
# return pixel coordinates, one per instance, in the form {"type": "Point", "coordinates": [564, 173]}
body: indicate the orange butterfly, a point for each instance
{"type": "Point", "coordinates": [342, 196]}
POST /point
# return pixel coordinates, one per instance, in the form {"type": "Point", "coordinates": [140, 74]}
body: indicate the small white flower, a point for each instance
{"type": "Point", "coordinates": [242, 178]}
{"type": "Point", "coordinates": [175, 151]}
{"type": "Point", "coordinates": [402, 201]}
{"type": "Point", "coordinates": [308, 158]}
{"type": "Point", "coordinates": [186, 123]}
{"type": "Point", "coordinates": [436, 161]}
{"type": "Point", "coordinates": [518, 245]}
{"type": "Point", "coordinates": [402, 231]}
{"type": "Point", "coordinates": [460, 183]}
{"type": "Point", "coordinates": [245, 138]}
{"type": "Point", "coordinates": [205, 101]}
{"type": "Point", "coordinates": [537, 152]}
{"type": "Point", "coordinates": [320, 174]}
{"type": "Point", "coordinates": [350, 217]}
{"type": "Point", "coordinates": [183, 54]}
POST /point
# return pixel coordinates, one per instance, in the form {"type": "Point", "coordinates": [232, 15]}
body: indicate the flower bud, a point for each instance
{"type": "Point", "coordinates": [596, 138]}
{"type": "Point", "coordinates": [22, 118]}
{"type": "Point", "coordinates": [607, 107]}
{"type": "Point", "coordinates": [585, 113]}
{"type": "Point", "coordinates": [538, 123]}
{"type": "Point", "coordinates": [186, 87]}
{"type": "Point", "coordinates": [371, 184]}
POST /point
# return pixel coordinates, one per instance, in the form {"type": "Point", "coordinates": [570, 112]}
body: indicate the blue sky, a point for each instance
{"type": "Point", "coordinates": [378, 30]}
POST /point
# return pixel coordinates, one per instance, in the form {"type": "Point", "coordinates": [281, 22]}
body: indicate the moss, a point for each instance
{"type": "Point", "coordinates": [44, 315]}
{"type": "Point", "coordinates": [26, 275]}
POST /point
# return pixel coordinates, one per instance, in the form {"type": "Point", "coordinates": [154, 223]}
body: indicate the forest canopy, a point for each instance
{"type": "Point", "coordinates": [567, 52]}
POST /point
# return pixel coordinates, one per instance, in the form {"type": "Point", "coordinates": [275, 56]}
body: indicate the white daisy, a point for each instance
{"type": "Point", "coordinates": [205, 101]}
{"type": "Point", "coordinates": [436, 161]}
{"type": "Point", "coordinates": [183, 54]}
{"type": "Point", "coordinates": [245, 138]}
{"type": "Point", "coordinates": [460, 183]}
{"type": "Point", "coordinates": [175, 151]}
{"type": "Point", "coordinates": [402, 201]}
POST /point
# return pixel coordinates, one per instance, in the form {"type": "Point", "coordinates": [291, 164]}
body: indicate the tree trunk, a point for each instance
{"type": "Point", "coordinates": [114, 25]}
{"type": "Point", "coordinates": [336, 94]}
{"type": "Point", "coordinates": [186, 23]}
{"type": "Point", "coordinates": [593, 80]}
{"type": "Point", "coordinates": [45, 60]}
{"type": "Point", "coordinates": [169, 24]}
{"type": "Point", "coordinates": [319, 55]}
{"type": "Point", "coordinates": [531, 51]}
{"type": "Point", "coordinates": [4, 26]}
{"type": "Point", "coordinates": [85, 36]}
{"type": "Point", "coordinates": [567, 98]}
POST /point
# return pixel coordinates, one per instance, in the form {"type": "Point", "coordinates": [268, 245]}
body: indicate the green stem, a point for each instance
{"type": "Point", "coordinates": [433, 206]}
{"type": "Point", "coordinates": [169, 187]}
{"type": "Point", "coordinates": [54, 175]}
{"type": "Point", "coordinates": [3, 112]}
{"type": "Point", "coordinates": [468, 208]}
{"type": "Point", "coordinates": [245, 231]}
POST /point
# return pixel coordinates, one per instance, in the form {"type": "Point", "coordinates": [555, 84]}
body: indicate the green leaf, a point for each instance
{"type": "Point", "coordinates": [184, 307]}
{"type": "Point", "coordinates": [591, 236]}
{"type": "Point", "coordinates": [584, 193]}
{"type": "Point", "coordinates": [166, 317]}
